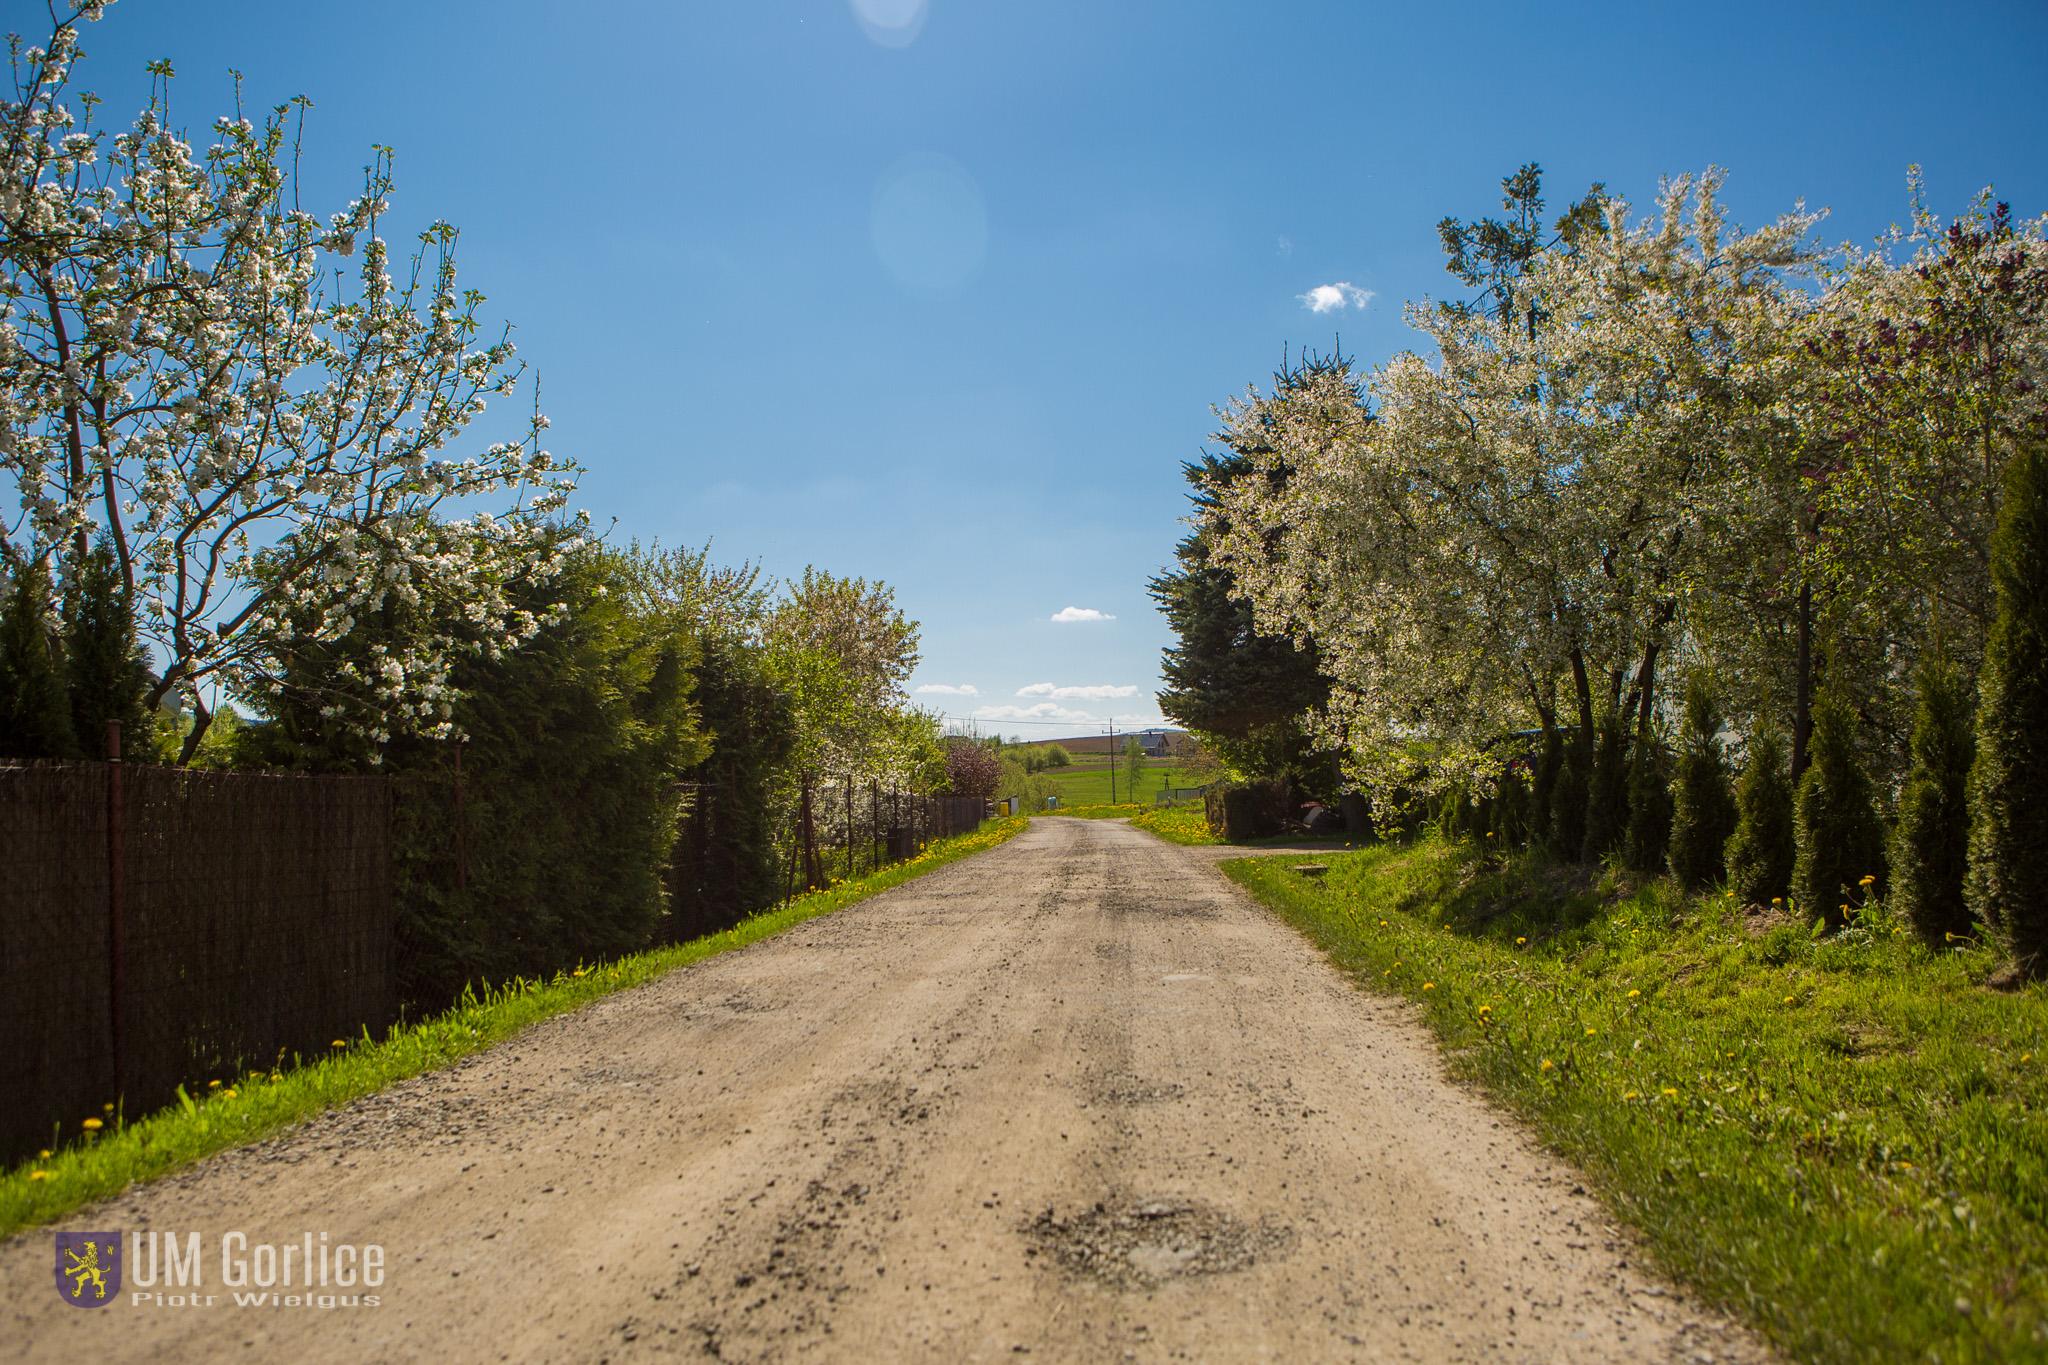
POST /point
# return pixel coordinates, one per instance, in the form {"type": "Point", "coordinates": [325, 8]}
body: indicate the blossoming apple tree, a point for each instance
{"type": "Point", "coordinates": [247, 404]}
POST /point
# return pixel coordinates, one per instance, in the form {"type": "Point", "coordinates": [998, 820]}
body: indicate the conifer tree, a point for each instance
{"type": "Point", "coordinates": [1568, 797]}
{"type": "Point", "coordinates": [2008, 874]}
{"type": "Point", "coordinates": [1703, 806]}
{"type": "Point", "coordinates": [1649, 805]}
{"type": "Point", "coordinates": [1543, 783]}
{"type": "Point", "coordinates": [35, 713]}
{"type": "Point", "coordinates": [1930, 854]}
{"type": "Point", "coordinates": [1761, 852]}
{"type": "Point", "coordinates": [1835, 823]}
{"type": "Point", "coordinates": [104, 665]}
{"type": "Point", "coordinates": [1607, 790]}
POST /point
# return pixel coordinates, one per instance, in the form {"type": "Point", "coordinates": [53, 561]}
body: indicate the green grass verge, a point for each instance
{"type": "Point", "coordinates": [241, 1110]}
{"type": "Point", "coordinates": [1088, 785]}
{"type": "Point", "coordinates": [1187, 825]}
{"type": "Point", "coordinates": [1844, 1141]}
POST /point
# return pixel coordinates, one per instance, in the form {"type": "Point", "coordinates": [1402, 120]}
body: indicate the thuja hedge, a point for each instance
{"type": "Point", "coordinates": [552, 846]}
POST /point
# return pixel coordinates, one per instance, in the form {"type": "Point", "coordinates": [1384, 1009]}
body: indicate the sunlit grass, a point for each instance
{"type": "Point", "coordinates": [105, 1157]}
{"type": "Point", "coordinates": [1841, 1140]}
{"type": "Point", "coordinates": [1178, 824]}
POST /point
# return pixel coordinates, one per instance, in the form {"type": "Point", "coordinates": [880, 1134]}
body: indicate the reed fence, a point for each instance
{"type": "Point", "coordinates": [163, 927]}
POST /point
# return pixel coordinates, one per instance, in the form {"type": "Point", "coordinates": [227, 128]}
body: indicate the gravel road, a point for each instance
{"type": "Point", "coordinates": [1076, 1098]}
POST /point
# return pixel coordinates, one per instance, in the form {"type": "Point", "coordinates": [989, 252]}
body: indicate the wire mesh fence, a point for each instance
{"type": "Point", "coordinates": [217, 921]}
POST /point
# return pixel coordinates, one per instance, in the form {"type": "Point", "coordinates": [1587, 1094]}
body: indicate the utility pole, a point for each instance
{"type": "Point", "coordinates": [1112, 763]}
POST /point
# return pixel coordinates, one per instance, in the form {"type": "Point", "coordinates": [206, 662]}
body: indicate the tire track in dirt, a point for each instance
{"type": "Point", "coordinates": [1074, 1098]}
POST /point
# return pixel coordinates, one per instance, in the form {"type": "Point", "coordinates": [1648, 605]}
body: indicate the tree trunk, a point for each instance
{"type": "Point", "coordinates": [1584, 686]}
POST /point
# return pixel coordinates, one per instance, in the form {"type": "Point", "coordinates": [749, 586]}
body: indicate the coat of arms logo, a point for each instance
{"type": "Point", "coordinates": [89, 1268]}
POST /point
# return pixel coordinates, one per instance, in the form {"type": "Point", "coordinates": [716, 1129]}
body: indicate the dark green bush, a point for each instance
{"type": "Point", "coordinates": [1568, 797]}
{"type": "Point", "coordinates": [569, 800]}
{"type": "Point", "coordinates": [35, 709]}
{"type": "Point", "coordinates": [2008, 877]}
{"type": "Point", "coordinates": [1703, 805]}
{"type": "Point", "coordinates": [1763, 848]}
{"type": "Point", "coordinates": [1649, 806]}
{"type": "Point", "coordinates": [1543, 783]}
{"type": "Point", "coordinates": [105, 668]}
{"type": "Point", "coordinates": [1607, 789]}
{"type": "Point", "coordinates": [1835, 822]}
{"type": "Point", "coordinates": [1930, 851]}
{"type": "Point", "coordinates": [725, 866]}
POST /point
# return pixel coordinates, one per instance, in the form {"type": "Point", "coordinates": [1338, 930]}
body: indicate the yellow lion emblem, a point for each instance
{"type": "Point", "coordinates": [85, 1270]}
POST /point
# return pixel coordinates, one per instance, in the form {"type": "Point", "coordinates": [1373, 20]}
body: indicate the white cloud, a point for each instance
{"type": "Point", "coordinates": [1328, 298]}
{"type": "Point", "coordinates": [1097, 692]}
{"type": "Point", "coordinates": [1081, 614]}
{"type": "Point", "coordinates": [1045, 710]}
{"type": "Point", "coordinates": [947, 689]}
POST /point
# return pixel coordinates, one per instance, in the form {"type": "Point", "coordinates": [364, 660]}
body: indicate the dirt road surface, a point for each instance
{"type": "Point", "coordinates": [1074, 1099]}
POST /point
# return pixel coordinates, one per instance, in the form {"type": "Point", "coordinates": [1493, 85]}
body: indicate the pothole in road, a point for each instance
{"type": "Point", "coordinates": [1144, 1243]}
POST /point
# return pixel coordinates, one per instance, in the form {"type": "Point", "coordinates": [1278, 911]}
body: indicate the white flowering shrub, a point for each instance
{"type": "Point", "coordinates": [245, 402]}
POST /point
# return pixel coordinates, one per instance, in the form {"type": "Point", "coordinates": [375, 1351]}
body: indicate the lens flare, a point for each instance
{"type": "Point", "coordinates": [891, 23]}
{"type": "Point", "coordinates": [929, 227]}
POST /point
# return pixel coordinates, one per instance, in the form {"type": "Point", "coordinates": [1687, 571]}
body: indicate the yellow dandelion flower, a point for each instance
{"type": "Point", "coordinates": [1633, 994]}
{"type": "Point", "coordinates": [1589, 1033]}
{"type": "Point", "coordinates": [1486, 1009]}
{"type": "Point", "coordinates": [1905, 1165]}
{"type": "Point", "coordinates": [2026, 1056]}
{"type": "Point", "coordinates": [1671, 1090]}
{"type": "Point", "coordinates": [1546, 1065]}
{"type": "Point", "coordinates": [1789, 999]}
{"type": "Point", "coordinates": [213, 1085]}
{"type": "Point", "coordinates": [93, 1125]}
{"type": "Point", "coordinates": [1429, 985]}
{"type": "Point", "coordinates": [38, 1175]}
{"type": "Point", "coordinates": [43, 1155]}
{"type": "Point", "coordinates": [229, 1092]}
{"type": "Point", "coordinates": [1520, 941]}
{"type": "Point", "coordinates": [1777, 900]}
{"type": "Point", "coordinates": [1867, 881]}
{"type": "Point", "coordinates": [1629, 1095]}
{"type": "Point", "coordinates": [341, 1042]}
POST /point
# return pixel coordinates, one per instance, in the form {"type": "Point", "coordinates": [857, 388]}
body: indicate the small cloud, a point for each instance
{"type": "Point", "coordinates": [1286, 248]}
{"type": "Point", "coordinates": [1097, 692]}
{"type": "Point", "coordinates": [1045, 710]}
{"type": "Point", "coordinates": [1328, 298]}
{"type": "Point", "coordinates": [1081, 614]}
{"type": "Point", "coordinates": [948, 690]}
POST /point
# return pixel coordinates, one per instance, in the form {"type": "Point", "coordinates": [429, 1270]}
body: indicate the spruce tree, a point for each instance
{"type": "Point", "coordinates": [1607, 790]}
{"type": "Point", "coordinates": [104, 665]}
{"type": "Point", "coordinates": [1703, 806]}
{"type": "Point", "coordinates": [2008, 875]}
{"type": "Point", "coordinates": [1649, 805]}
{"type": "Point", "coordinates": [1835, 822]}
{"type": "Point", "coordinates": [1568, 797]}
{"type": "Point", "coordinates": [1761, 852]}
{"type": "Point", "coordinates": [1543, 783]}
{"type": "Point", "coordinates": [35, 712]}
{"type": "Point", "coordinates": [1930, 853]}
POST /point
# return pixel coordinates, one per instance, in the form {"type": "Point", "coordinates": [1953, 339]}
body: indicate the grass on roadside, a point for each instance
{"type": "Point", "coordinates": [1842, 1140]}
{"type": "Point", "coordinates": [237, 1110]}
{"type": "Point", "coordinates": [1187, 825]}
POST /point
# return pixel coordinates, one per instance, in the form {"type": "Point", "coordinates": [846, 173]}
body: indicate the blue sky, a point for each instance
{"type": "Point", "coordinates": [943, 296]}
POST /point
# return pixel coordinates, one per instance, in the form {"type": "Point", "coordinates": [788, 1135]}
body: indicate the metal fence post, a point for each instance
{"type": "Point", "coordinates": [114, 915]}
